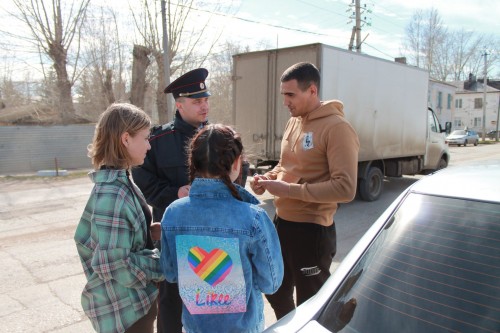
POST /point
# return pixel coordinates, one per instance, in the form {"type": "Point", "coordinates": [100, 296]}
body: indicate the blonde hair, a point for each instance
{"type": "Point", "coordinates": [106, 147]}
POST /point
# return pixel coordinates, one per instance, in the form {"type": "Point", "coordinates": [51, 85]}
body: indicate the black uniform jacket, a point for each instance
{"type": "Point", "coordinates": [165, 167]}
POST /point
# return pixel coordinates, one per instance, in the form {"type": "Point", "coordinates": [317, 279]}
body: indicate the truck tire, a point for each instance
{"type": "Point", "coordinates": [442, 163]}
{"type": "Point", "coordinates": [370, 188]}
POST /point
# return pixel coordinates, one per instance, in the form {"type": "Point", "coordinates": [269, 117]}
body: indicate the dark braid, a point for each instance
{"type": "Point", "coordinates": [212, 152]}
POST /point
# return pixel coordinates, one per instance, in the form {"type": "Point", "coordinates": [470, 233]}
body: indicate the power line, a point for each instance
{"type": "Point", "coordinates": [373, 47]}
{"type": "Point", "coordinates": [322, 8]}
{"type": "Point", "coordinates": [253, 21]}
{"type": "Point", "coordinates": [387, 10]}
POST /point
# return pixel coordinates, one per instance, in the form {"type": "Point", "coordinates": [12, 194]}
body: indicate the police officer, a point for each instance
{"type": "Point", "coordinates": [164, 176]}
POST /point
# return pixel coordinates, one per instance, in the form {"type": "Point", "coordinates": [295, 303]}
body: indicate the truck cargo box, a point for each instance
{"type": "Point", "coordinates": [386, 102]}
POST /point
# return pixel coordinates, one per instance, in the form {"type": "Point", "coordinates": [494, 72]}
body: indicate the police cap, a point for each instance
{"type": "Point", "coordinates": [191, 84]}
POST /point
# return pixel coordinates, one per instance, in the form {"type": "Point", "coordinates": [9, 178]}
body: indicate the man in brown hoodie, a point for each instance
{"type": "Point", "coordinates": [316, 171]}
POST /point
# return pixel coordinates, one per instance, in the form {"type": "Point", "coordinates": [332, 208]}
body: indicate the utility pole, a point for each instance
{"type": "Point", "coordinates": [166, 62]}
{"type": "Point", "coordinates": [485, 85]}
{"type": "Point", "coordinates": [356, 29]}
{"type": "Point", "coordinates": [498, 118]}
{"type": "Point", "coordinates": [358, 26]}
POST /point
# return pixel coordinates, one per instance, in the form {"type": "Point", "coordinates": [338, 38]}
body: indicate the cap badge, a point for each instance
{"type": "Point", "coordinates": [202, 85]}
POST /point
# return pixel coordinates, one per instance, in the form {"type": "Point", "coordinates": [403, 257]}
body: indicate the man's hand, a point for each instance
{"type": "Point", "coordinates": [255, 185]}
{"type": "Point", "coordinates": [183, 191]}
{"type": "Point", "coordinates": [277, 188]}
{"type": "Point", "coordinates": [155, 231]}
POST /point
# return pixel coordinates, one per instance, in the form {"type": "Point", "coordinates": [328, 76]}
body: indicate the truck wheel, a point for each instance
{"type": "Point", "coordinates": [370, 188]}
{"type": "Point", "coordinates": [442, 163]}
{"type": "Point", "coordinates": [475, 143]}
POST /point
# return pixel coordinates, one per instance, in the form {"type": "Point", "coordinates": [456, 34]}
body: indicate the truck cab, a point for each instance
{"type": "Point", "coordinates": [371, 172]}
{"type": "Point", "coordinates": [437, 154]}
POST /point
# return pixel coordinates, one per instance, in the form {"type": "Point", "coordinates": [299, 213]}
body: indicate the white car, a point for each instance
{"type": "Point", "coordinates": [462, 137]}
{"type": "Point", "coordinates": [429, 263]}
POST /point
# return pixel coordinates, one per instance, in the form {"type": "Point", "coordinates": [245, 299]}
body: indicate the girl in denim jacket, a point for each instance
{"type": "Point", "coordinates": [220, 247]}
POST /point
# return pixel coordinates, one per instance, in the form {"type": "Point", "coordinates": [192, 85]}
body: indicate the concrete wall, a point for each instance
{"type": "Point", "coordinates": [26, 149]}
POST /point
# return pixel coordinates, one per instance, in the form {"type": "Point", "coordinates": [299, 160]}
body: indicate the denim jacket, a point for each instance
{"type": "Point", "coordinates": [223, 253]}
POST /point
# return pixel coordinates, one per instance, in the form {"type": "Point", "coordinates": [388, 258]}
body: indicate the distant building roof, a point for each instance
{"type": "Point", "coordinates": [492, 83]}
{"type": "Point", "coordinates": [443, 82]}
{"type": "Point", "coordinates": [473, 85]}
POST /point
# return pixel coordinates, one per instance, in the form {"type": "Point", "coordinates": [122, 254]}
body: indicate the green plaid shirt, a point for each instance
{"type": "Point", "coordinates": [111, 242]}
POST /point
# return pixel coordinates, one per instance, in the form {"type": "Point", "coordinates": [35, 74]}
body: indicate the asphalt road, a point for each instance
{"type": "Point", "coordinates": [42, 278]}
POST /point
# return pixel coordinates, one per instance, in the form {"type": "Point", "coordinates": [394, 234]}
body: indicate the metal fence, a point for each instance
{"type": "Point", "coordinates": [26, 149]}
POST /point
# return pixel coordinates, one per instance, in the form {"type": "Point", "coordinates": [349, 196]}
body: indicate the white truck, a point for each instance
{"type": "Point", "coordinates": [385, 102]}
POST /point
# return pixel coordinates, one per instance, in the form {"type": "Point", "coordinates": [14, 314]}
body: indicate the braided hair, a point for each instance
{"type": "Point", "coordinates": [212, 153]}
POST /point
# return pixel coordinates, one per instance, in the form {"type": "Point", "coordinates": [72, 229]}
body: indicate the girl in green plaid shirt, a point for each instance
{"type": "Point", "coordinates": [113, 237]}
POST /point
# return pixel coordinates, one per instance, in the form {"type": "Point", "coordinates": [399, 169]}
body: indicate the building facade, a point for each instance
{"type": "Point", "coordinates": [470, 108]}
{"type": "Point", "coordinates": [441, 96]}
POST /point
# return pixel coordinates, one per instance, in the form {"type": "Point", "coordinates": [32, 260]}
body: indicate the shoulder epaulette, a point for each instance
{"type": "Point", "coordinates": [160, 130]}
{"type": "Point", "coordinates": [154, 129]}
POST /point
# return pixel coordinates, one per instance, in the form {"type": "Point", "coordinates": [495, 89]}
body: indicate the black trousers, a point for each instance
{"type": "Point", "coordinates": [169, 309]}
{"type": "Point", "coordinates": [308, 250]}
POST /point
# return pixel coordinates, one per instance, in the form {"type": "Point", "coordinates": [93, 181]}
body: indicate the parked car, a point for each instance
{"type": "Point", "coordinates": [462, 137]}
{"type": "Point", "coordinates": [429, 263]}
{"type": "Point", "coordinates": [492, 135]}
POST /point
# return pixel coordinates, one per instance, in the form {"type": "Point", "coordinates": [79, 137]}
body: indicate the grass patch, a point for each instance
{"type": "Point", "coordinates": [487, 142]}
{"type": "Point", "coordinates": [22, 177]}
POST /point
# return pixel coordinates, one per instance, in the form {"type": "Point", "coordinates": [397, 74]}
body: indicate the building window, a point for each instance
{"type": "Point", "coordinates": [448, 105]}
{"type": "Point", "coordinates": [478, 122]}
{"type": "Point", "coordinates": [440, 98]}
{"type": "Point", "coordinates": [478, 103]}
{"type": "Point", "coordinates": [458, 103]}
{"type": "Point", "coordinates": [457, 123]}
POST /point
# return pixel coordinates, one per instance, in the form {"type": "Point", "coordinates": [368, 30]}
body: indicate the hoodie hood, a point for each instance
{"type": "Point", "coordinates": [327, 108]}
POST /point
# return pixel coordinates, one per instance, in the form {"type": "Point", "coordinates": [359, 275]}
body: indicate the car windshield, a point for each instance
{"type": "Point", "coordinates": [435, 267]}
{"type": "Point", "coordinates": [459, 132]}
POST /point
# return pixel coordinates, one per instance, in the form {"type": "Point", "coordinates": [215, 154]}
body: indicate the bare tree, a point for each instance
{"type": "Point", "coordinates": [184, 40]}
{"type": "Point", "coordinates": [220, 82]}
{"type": "Point", "coordinates": [414, 38]}
{"type": "Point", "coordinates": [435, 34]}
{"type": "Point", "coordinates": [463, 46]}
{"type": "Point", "coordinates": [447, 55]}
{"type": "Point", "coordinates": [140, 64]}
{"type": "Point", "coordinates": [467, 49]}
{"type": "Point", "coordinates": [425, 35]}
{"type": "Point", "coordinates": [102, 56]}
{"type": "Point", "coordinates": [442, 59]}
{"type": "Point", "coordinates": [54, 35]}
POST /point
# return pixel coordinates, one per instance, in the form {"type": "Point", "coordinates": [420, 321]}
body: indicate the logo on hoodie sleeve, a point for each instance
{"type": "Point", "coordinates": [211, 279]}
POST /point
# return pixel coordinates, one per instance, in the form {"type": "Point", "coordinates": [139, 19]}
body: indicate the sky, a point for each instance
{"type": "Point", "coordinates": [284, 23]}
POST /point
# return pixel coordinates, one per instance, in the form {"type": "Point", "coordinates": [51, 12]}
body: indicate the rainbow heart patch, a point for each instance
{"type": "Point", "coordinates": [211, 267]}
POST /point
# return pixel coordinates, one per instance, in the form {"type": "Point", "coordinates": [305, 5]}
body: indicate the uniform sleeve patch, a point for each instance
{"type": "Point", "coordinates": [211, 279]}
